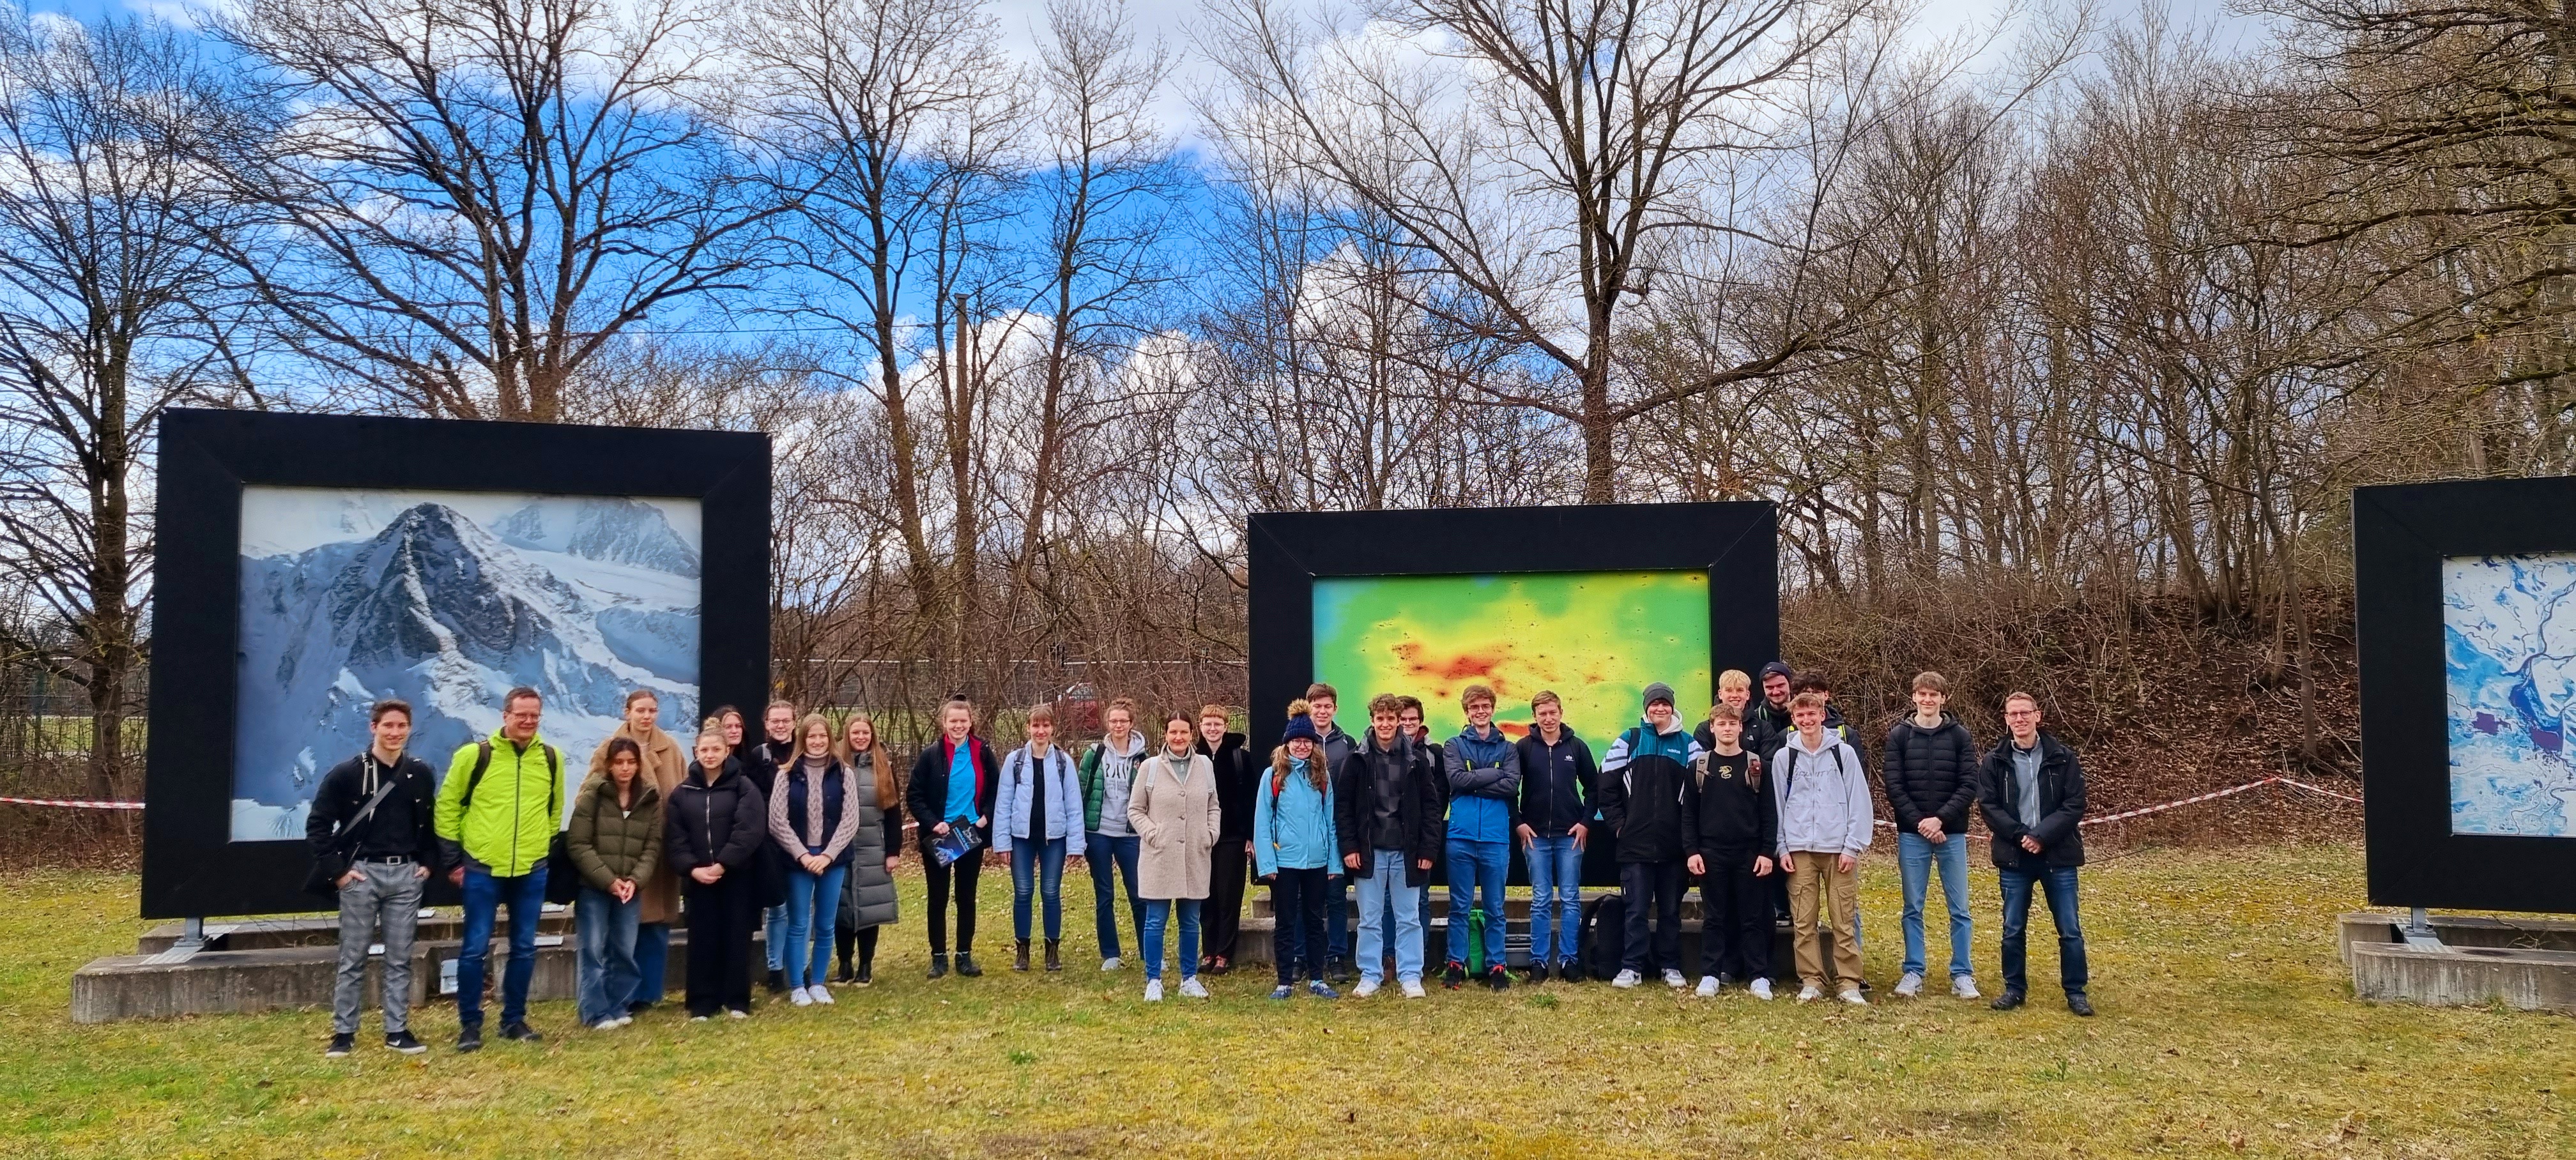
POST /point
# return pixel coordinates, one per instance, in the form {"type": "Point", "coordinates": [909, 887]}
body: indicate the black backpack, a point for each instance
{"type": "Point", "coordinates": [1605, 935]}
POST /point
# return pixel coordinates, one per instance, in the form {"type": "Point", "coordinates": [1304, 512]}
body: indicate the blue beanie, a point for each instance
{"type": "Point", "coordinates": [1300, 725]}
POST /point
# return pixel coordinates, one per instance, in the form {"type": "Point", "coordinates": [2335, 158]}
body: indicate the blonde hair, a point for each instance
{"type": "Point", "coordinates": [1474, 693]}
{"type": "Point", "coordinates": [1734, 679]}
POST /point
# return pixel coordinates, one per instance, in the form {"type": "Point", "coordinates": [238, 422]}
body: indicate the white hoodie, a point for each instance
{"type": "Point", "coordinates": [1824, 799]}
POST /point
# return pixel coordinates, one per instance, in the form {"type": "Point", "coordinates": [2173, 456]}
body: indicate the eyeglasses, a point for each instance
{"type": "Point", "coordinates": [2021, 712]}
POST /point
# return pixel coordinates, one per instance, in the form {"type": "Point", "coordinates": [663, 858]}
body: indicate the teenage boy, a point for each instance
{"type": "Point", "coordinates": [1338, 746]}
{"type": "Point", "coordinates": [1822, 795]}
{"type": "Point", "coordinates": [1387, 820]}
{"type": "Point", "coordinates": [2034, 799]}
{"type": "Point", "coordinates": [1930, 768]}
{"type": "Point", "coordinates": [497, 814]}
{"type": "Point", "coordinates": [1484, 774]}
{"type": "Point", "coordinates": [1729, 827]}
{"type": "Point", "coordinates": [1409, 717]}
{"type": "Point", "coordinates": [1642, 780]}
{"type": "Point", "coordinates": [1551, 818]}
{"type": "Point", "coordinates": [1814, 681]}
{"type": "Point", "coordinates": [374, 841]}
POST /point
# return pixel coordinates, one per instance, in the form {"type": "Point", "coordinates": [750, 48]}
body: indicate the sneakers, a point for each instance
{"type": "Point", "coordinates": [605, 1025]}
{"type": "Point", "coordinates": [1318, 989]}
{"type": "Point", "coordinates": [1625, 979]}
{"type": "Point", "coordinates": [938, 966]}
{"type": "Point", "coordinates": [1412, 988]}
{"type": "Point", "coordinates": [1153, 990]}
{"type": "Point", "coordinates": [403, 1042]}
{"type": "Point", "coordinates": [1338, 969]}
{"type": "Point", "coordinates": [1810, 993]}
{"type": "Point", "coordinates": [966, 968]}
{"type": "Point", "coordinates": [1111, 963]}
{"type": "Point", "coordinates": [1674, 979]}
{"type": "Point", "coordinates": [697, 1018]}
{"type": "Point", "coordinates": [819, 995]}
{"type": "Point", "coordinates": [1454, 975]}
{"type": "Point", "coordinates": [1366, 988]}
{"type": "Point", "coordinates": [737, 1013]}
{"type": "Point", "coordinates": [1192, 988]}
{"type": "Point", "coordinates": [1964, 986]}
{"type": "Point", "coordinates": [469, 1038]}
{"type": "Point", "coordinates": [1909, 986]}
{"type": "Point", "coordinates": [1570, 971]}
{"type": "Point", "coordinates": [520, 1031]}
{"type": "Point", "coordinates": [777, 980]}
{"type": "Point", "coordinates": [1855, 998]}
{"type": "Point", "coordinates": [342, 1043]}
{"type": "Point", "coordinates": [2007, 1001]}
{"type": "Point", "coordinates": [800, 998]}
{"type": "Point", "coordinates": [1498, 978]}
{"type": "Point", "coordinates": [1707, 987]}
{"type": "Point", "coordinates": [1537, 971]}
{"type": "Point", "coordinates": [623, 1020]}
{"type": "Point", "coordinates": [2080, 1005]}
{"type": "Point", "coordinates": [1761, 989]}
{"type": "Point", "coordinates": [1283, 991]}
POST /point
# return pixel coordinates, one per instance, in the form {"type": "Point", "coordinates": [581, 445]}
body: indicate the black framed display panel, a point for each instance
{"type": "Point", "coordinates": [1735, 543]}
{"type": "Point", "coordinates": [2402, 535]}
{"type": "Point", "coordinates": [191, 867]}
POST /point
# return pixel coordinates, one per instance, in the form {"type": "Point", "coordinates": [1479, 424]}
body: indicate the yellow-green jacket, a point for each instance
{"type": "Point", "coordinates": [516, 805]}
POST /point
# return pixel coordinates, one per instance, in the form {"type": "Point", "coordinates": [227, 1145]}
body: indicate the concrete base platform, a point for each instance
{"type": "Point", "coordinates": [2526, 964]}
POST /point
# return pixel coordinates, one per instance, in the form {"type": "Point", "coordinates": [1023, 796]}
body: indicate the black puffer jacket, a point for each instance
{"type": "Point", "coordinates": [1930, 773]}
{"type": "Point", "coordinates": [714, 825]}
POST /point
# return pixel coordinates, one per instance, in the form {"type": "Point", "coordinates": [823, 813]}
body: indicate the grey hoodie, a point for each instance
{"type": "Point", "coordinates": [1823, 799]}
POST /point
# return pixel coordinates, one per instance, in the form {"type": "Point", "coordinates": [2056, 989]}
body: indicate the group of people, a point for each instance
{"type": "Point", "coordinates": [1766, 806]}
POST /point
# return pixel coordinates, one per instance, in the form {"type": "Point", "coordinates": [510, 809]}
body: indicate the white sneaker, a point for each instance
{"type": "Point", "coordinates": [1762, 989]}
{"type": "Point", "coordinates": [1192, 988]}
{"type": "Point", "coordinates": [623, 1020]}
{"type": "Point", "coordinates": [800, 998]}
{"type": "Point", "coordinates": [1810, 993]}
{"type": "Point", "coordinates": [819, 994]}
{"type": "Point", "coordinates": [1412, 988]}
{"type": "Point", "coordinates": [605, 1025]}
{"type": "Point", "coordinates": [736, 1013]}
{"type": "Point", "coordinates": [1111, 963]}
{"type": "Point", "coordinates": [1153, 990]}
{"type": "Point", "coordinates": [1855, 998]}
{"type": "Point", "coordinates": [1707, 986]}
{"type": "Point", "coordinates": [1366, 988]}
{"type": "Point", "coordinates": [1674, 979]}
{"type": "Point", "coordinates": [1909, 986]}
{"type": "Point", "coordinates": [1625, 979]}
{"type": "Point", "coordinates": [1965, 987]}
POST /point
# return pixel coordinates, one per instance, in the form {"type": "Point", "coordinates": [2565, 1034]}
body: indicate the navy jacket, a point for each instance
{"type": "Point", "coordinates": [1557, 783]}
{"type": "Point", "coordinates": [1930, 773]}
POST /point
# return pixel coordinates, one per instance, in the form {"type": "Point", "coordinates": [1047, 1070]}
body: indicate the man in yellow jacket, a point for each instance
{"type": "Point", "coordinates": [498, 811]}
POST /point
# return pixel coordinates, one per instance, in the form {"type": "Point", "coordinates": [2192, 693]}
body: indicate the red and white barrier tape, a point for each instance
{"type": "Point", "coordinates": [2190, 801]}
{"type": "Point", "coordinates": [71, 803]}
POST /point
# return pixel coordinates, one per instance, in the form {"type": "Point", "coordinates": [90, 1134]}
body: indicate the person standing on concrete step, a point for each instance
{"type": "Point", "coordinates": [375, 843]}
{"type": "Point", "coordinates": [498, 812]}
{"type": "Point", "coordinates": [666, 765]}
{"type": "Point", "coordinates": [1930, 771]}
{"type": "Point", "coordinates": [2033, 790]}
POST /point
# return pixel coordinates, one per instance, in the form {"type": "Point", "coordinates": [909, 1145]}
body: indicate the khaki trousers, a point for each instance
{"type": "Point", "coordinates": [1816, 875]}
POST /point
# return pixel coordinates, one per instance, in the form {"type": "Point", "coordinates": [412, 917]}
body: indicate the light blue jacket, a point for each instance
{"type": "Point", "coordinates": [1011, 802]}
{"type": "Point", "coordinates": [1293, 828]}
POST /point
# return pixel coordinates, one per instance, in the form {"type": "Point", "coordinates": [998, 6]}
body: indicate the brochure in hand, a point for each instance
{"type": "Point", "coordinates": [960, 841]}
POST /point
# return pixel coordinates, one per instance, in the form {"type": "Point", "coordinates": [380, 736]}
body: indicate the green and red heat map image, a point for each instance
{"type": "Point", "coordinates": [1596, 638]}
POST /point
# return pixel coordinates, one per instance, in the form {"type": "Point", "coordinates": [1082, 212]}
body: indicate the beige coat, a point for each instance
{"type": "Point", "coordinates": [668, 765]}
{"type": "Point", "coordinates": [1174, 811]}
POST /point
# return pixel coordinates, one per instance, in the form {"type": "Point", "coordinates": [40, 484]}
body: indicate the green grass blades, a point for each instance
{"type": "Point", "coordinates": [2226, 1028]}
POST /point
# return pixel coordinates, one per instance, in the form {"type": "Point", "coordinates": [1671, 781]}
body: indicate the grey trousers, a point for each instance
{"type": "Point", "coordinates": [388, 894]}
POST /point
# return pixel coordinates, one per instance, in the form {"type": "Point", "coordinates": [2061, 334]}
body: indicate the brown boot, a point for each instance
{"type": "Point", "coordinates": [1053, 962]}
{"type": "Point", "coordinates": [1021, 963]}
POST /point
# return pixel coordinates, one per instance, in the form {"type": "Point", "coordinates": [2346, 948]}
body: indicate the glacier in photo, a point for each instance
{"type": "Point", "coordinates": [2509, 650]}
{"type": "Point", "coordinates": [448, 600]}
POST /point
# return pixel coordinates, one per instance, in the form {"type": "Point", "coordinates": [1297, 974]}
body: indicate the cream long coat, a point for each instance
{"type": "Point", "coordinates": [1174, 810]}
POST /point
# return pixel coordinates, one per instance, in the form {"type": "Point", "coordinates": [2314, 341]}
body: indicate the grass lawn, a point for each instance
{"type": "Point", "coordinates": [2226, 1026]}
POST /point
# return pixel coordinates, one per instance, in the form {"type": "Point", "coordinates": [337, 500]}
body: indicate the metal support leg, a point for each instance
{"type": "Point", "coordinates": [192, 936]}
{"type": "Point", "coordinates": [2418, 931]}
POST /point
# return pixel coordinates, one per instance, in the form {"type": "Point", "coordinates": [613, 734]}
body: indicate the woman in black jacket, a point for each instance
{"type": "Point", "coordinates": [713, 823]}
{"type": "Point", "coordinates": [953, 781]}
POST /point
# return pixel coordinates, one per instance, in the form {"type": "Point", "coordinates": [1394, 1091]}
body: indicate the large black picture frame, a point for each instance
{"type": "Point", "coordinates": [191, 868]}
{"type": "Point", "coordinates": [1736, 543]}
{"type": "Point", "coordinates": [2401, 535]}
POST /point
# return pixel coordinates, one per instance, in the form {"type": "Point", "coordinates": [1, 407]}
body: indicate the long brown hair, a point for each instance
{"type": "Point", "coordinates": [1280, 761]}
{"type": "Point", "coordinates": [881, 770]}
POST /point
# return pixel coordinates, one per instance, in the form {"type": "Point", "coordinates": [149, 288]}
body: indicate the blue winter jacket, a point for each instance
{"type": "Point", "coordinates": [1011, 819]}
{"type": "Point", "coordinates": [1293, 827]}
{"type": "Point", "coordinates": [1484, 778]}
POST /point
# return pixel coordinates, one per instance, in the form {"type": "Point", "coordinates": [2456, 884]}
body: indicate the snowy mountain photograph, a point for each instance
{"type": "Point", "coordinates": [448, 600]}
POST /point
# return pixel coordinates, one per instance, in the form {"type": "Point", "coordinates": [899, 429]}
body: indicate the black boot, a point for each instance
{"type": "Point", "coordinates": [1053, 961]}
{"type": "Point", "coordinates": [1020, 958]}
{"type": "Point", "coordinates": [938, 965]}
{"type": "Point", "coordinates": [966, 966]}
{"type": "Point", "coordinates": [777, 982]}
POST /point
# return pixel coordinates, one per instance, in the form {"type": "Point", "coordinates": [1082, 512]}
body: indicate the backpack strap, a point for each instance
{"type": "Point", "coordinates": [482, 761]}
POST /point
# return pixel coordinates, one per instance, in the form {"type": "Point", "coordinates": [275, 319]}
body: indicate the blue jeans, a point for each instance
{"type": "Point", "coordinates": [1915, 858]}
{"type": "Point", "coordinates": [1382, 891]}
{"type": "Point", "coordinates": [1158, 911]}
{"type": "Point", "coordinates": [1555, 871]}
{"type": "Point", "coordinates": [2058, 883]}
{"type": "Point", "coordinates": [485, 895]}
{"type": "Point", "coordinates": [1108, 854]}
{"type": "Point", "coordinates": [607, 932]}
{"type": "Point", "coordinates": [1477, 871]}
{"type": "Point", "coordinates": [652, 961]}
{"type": "Point", "coordinates": [1032, 863]}
{"type": "Point", "coordinates": [774, 935]}
{"type": "Point", "coordinates": [813, 905]}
